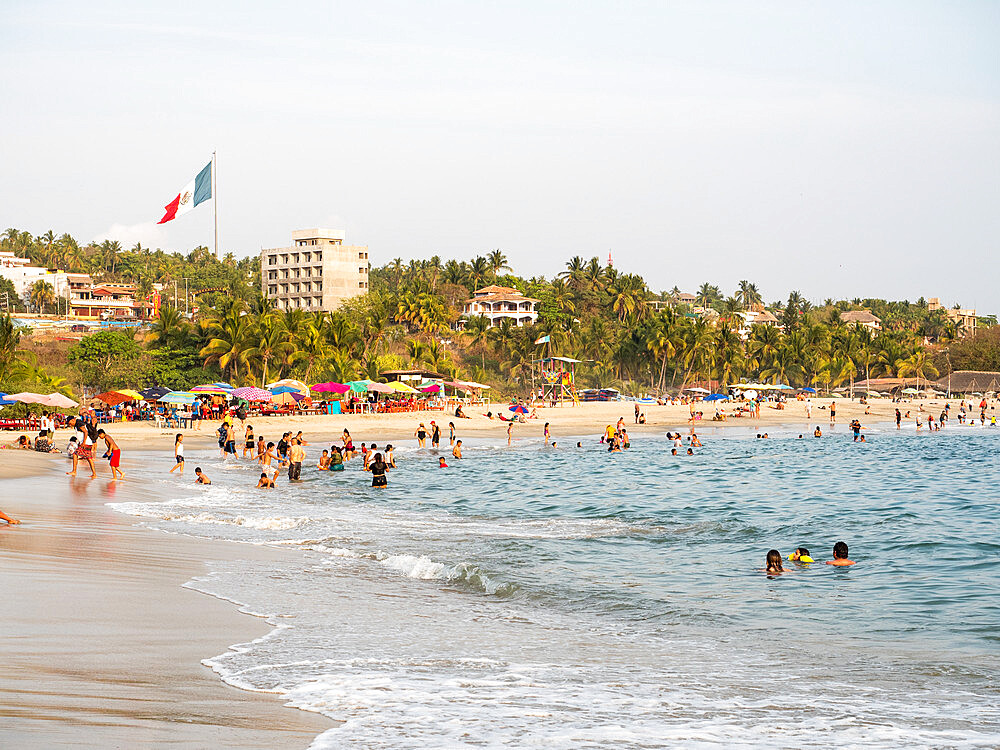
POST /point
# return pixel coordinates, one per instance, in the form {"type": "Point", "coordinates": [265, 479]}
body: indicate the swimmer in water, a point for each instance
{"type": "Point", "coordinates": [441, 463]}
{"type": "Point", "coordinates": [690, 451]}
{"type": "Point", "coordinates": [324, 461]}
{"type": "Point", "coordinates": [266, 483]}
{"type": "Point", "coordinates": [800, 555]}
{"type": "Point", "coordinates": [695, 441]}
{"type": "Point", "coordinates": [817, 432]}
{"type": "Point", "coordinates": [673, 451]}
{"type": "Point", "coordinates": [200, 477]}
{"type": "Point", "coordinates": [773, 563]}
{"type": "Point", "coordinates": [840, 556]}
{"type": "Point", "coordinates": [457, 450]}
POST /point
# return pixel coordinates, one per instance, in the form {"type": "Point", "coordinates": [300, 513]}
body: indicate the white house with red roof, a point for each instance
{"type": "Point", "coordinates": [499, 302]}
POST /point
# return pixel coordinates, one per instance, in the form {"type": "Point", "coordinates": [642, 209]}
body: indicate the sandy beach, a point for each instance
{"type": "Point", "coordinates": [102, 645]}
{"type": "Point", "coordinates": [583, 419]}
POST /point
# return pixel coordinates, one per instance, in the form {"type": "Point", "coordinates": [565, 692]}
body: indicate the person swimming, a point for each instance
{"type": "Point", "coordinates": [441, 463]}
{"type": "Point", "coordinates": [773, 562]}
{"type": "Point", "coordinates": [840, 556]}
{"type": "Point", "coordinates": [817, 432]}
{"type": "Point", "coordinates": [801, 554]}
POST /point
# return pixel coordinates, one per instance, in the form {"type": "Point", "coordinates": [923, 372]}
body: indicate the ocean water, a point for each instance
{"type": "Point", "coordinates": [531, 597]}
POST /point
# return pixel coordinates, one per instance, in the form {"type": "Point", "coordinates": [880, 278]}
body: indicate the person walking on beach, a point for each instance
{"type": "Point", "coordinates": [115, 458]}
{"type": "Point", "coordinates": [421, 435]}
{"type": "Point", "coordinates": [296, 455]}
{"type": "Point", "coordinates": [86, 449]}
{"type": "Point", "coordinates": [178, 454]}
{"type": "Point", "coordinates": [435, 435]}
{"type": "Point", "coordinates": [378, 468]}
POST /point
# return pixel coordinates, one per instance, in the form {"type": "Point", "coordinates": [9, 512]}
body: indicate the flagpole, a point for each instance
{"type": "Point", "coordinates": [215, 203]}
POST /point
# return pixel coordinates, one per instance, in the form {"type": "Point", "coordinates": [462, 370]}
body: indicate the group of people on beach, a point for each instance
{"type": "Point", "coordinates": [773, 564]}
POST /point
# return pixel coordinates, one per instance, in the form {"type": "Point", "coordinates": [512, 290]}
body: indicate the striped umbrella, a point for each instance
{"type": "Point", "coordinates": [252, 394]}
{"type": "Point", "coordinates": [212, 389]}
{"type": "Point", "coordinates": [178, 397]}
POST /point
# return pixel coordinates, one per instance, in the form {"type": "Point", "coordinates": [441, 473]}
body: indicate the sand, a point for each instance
{"type": "Point", "coordinates": [102, 647]}
{"type": "Point", "coordinates": [580, 420]}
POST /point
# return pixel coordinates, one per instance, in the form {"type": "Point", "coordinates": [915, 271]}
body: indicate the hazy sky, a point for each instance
{"type": "Point", "coordinates": [839, 148]}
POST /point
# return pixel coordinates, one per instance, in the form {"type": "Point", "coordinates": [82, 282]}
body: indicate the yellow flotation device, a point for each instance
{"type": "Point", "coordinates": [802, 558]}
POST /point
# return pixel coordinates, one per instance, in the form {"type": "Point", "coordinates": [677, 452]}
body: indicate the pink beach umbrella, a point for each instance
{"type": "Point", "coordinates": [252, 394]}
{"type": "Point", "coordinates": [331, 388]}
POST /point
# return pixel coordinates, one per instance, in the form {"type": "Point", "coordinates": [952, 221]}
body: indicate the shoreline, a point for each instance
{"type": "Point", "coordinates": [105, 638]}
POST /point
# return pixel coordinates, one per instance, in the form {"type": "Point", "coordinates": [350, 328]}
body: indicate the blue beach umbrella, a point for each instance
{"type": "Point", "coordinates": [808, 390]}
{"type": "Point", "coordinates": [283, 389]}
{"type": "Point", "coordinates": [519, 409]}
{"type": "Point", "coordinates": [716, 397]}
{"type": "Point", "coordinates": [185, 398]}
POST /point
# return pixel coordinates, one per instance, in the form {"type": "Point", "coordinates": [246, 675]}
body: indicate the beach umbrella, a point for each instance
{"type": "Point", "coordinates": [252, 394]}
{"type": "Point", "coordinates": [431, 389]}
{"type": "Point", "coordinates": [298, 385]}
{"type": "Point", "coordinates": [401, 387]}
{"type": "Point", "coordinates": [211, 389]}
{"type": "Point", "coordinates": [331, 388]}
{"type": "Point", "coordinates": [380, 387]}
{"type": "Point", "coordinates": [56, 400]}
{"type": "Point", "coordinates": [698, 390]}
{"type": "Point", "coordinates": [750, 395]}
{"type": "Point", "coordinates": [113, 398]}
{"type": "Point", "coordinates": [134, 395]}
{"type": "Point", "coordinates": [808, 390]}
{"type": "Point", "coordinates": [910, 391]}
{"type": "Point", "coordinates": [716, 397]}
{"type": "Point", "coordinates": [519, 409]}
{"type": "Point", "coordinates": [358, 386]}
{"type": "Point", "coordinates": [186, 398]}
{"type": "Point", "coordinates": [151, 394]}
{"type": "Point", "coordinates": [278, 390]}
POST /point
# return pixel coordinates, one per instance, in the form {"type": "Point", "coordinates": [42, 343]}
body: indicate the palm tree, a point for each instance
{"type": "Point", "coordinates": [575, 273]}
{"type": "Point", "coordinates": [748, 294]}
{"type": "Point", "coordinates": [503, 336]}
{"type": "Point", "coordinates": [477, 329]}
{"type": "Point", "coordinates": [41, 295]}
{"type": "Point", "coordinates": [231, 338]}
{"type": "Point", "coordinates": [917, 364]}
{"type": "Point", "coordinates": [562, 295]}
{"type": "Point", "coordinates": [268, 341]}
{"type": "Point", "coordinates": [497, 261]}
{"type": "Point", "coordinates": [169, 329]}
{"type": "Point", "coordinates": [479, 272]}
{"type": "Point", "coordinates": [707, 294]}
{"type": "Point", "coordinates": [312, 347]}
{"type": "Point", "coordinates": [11, 359]}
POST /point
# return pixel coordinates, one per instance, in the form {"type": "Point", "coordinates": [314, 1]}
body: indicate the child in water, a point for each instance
{"type": "Point", "coordinates": [441, 463]}
{"type": "Point", "coordinates": [772, 563]}
{"type": "Point", "coordinates": [840, 555]}
{"type": "Point", "coordinates": [801, 555]}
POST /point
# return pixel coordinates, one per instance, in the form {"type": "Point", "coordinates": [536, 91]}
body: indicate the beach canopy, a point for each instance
{"type": "Point", "coordinates": [252, 394]}
{"type": "Point", "coordinates": [151, 394]}
{"type": "Point", "coordinates": [113, 398]}
{"type": "Point", "coordinates": [211, 389]}
{"type": "Point", "coordinates": [56, 400]}
{"type": "Point", "coordinates": [186, 398]}
{"type": "Point", "coordinates": [331, 388]}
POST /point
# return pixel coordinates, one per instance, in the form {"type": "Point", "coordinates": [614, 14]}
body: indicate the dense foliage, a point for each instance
{"type": "Point", "coordinates": [410, 317]}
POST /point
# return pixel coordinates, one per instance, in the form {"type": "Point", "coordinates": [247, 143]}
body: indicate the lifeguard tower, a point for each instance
{"type": "Point", "coordinates": [553, 380]}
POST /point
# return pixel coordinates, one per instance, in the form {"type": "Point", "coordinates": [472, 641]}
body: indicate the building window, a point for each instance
{"type": "Point", "coordinates": [271, 290]}
{"type": "Point", "coordinates": [297, 273]}
{"type": "Point", "coordinates": [306, 257]}
{"type": "Point", "coordinates": [272, 260]}
{"type": "Point", "coordinates": [319, 255]}
{"type": "Point", "coordinates": [284, 258]}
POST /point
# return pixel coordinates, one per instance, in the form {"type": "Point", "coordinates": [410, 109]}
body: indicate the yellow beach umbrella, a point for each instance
{"type": "Point", "coordinates": [400, 387]}
{"type": "Point", "coordinates": [134, 395]}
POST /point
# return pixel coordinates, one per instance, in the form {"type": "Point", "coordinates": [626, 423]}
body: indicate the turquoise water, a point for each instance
{"type": "Point", "coordinates": [573, 598]}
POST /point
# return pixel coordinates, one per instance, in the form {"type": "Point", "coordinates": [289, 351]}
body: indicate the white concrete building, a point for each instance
{"type": "Point", "coordinates": [499, 302]}
{"type": "Point", "coordinates": [317, 272]}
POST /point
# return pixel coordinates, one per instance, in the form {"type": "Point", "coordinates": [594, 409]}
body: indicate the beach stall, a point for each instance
{"type": "Point", "coordinates": [556, 380]}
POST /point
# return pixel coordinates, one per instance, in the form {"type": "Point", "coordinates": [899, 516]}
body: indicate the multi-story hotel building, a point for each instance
{"type": "Point", "coordinates": [318, 271]}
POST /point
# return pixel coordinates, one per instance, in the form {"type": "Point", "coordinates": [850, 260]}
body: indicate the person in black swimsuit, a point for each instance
{"type": "Point", "coordinates": [421, 434]}
{"type": "Point", "coordinates": [435, 435]}
{"type": "Point", "coordinates": [378, 468]}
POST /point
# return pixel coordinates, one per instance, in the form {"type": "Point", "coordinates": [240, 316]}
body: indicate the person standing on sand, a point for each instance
{"type": "Point", "coordinates": [809, 408]}
{"type": "Point", "coordinates": [115, 459]}
{"type": "Point", "coordinates": [86, 449]}
{"type": "Point", "coordinates": [833, 412]}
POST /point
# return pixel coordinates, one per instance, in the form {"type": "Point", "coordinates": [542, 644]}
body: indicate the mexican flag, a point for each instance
{"type": "Point", "coordinates": [195, 192]}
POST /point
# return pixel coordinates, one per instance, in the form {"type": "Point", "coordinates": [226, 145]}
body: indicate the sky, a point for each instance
{"type": "Point", "coordinates": [842, 149]}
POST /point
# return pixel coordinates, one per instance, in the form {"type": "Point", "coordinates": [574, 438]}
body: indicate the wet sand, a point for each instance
{"type": "Point", "coordinates": [102, 646]}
